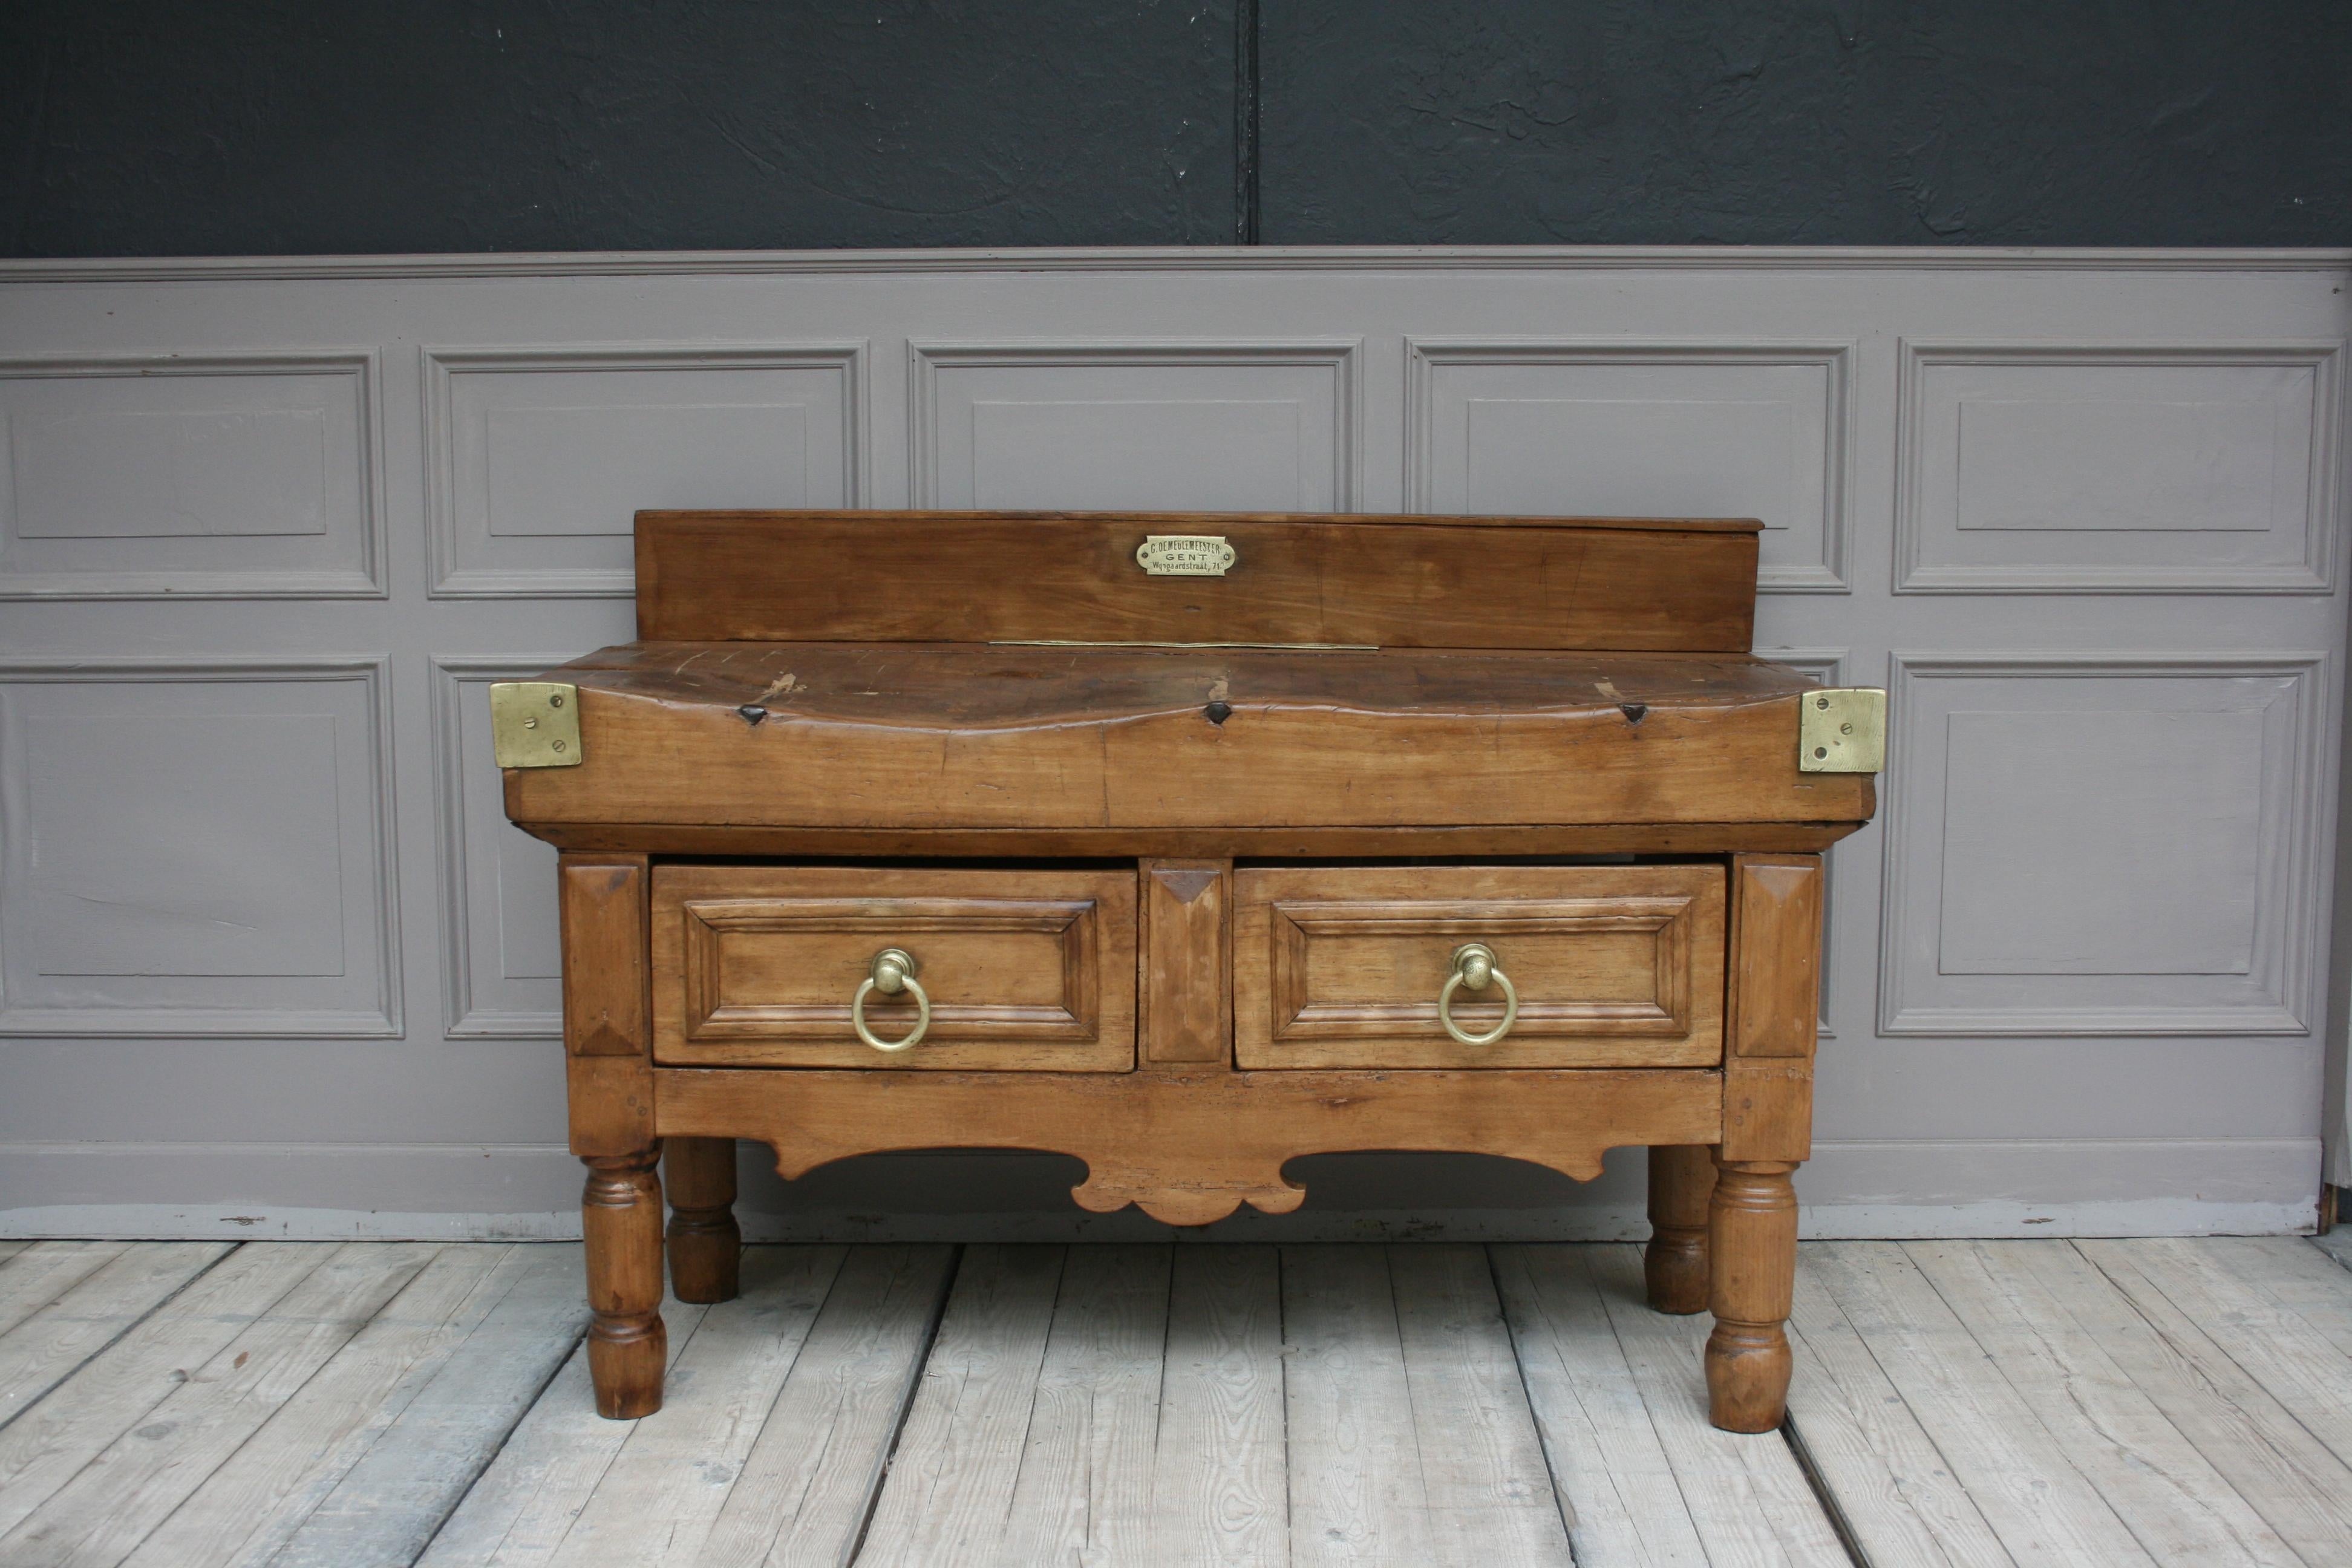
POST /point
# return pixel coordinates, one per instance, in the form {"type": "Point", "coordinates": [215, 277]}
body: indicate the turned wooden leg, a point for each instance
{"type": "Point", "coordinates": [705, 1244]}
{"type": "Point", "coordinates": [621, 1214]}
{"type": "Point", "coordinates": [1682, 1179]}
{"type": "Point", "coordinates": [1752, 1246]}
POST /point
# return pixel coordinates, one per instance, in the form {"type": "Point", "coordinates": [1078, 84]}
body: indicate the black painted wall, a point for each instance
{"type": "Point", "coordinates": [163, 127]}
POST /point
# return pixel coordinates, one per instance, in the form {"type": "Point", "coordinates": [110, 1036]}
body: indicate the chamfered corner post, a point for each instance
{"type": "Point", "coordinates": [1767, 1117]}
{"type": "Point", "coordinates": [705, 1243]}
{"type": "Point", "coordinates": [608, 1059]}
{"type": "Point", "coordinates": [1673, 1264]}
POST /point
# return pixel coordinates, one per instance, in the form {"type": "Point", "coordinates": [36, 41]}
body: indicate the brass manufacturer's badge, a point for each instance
{"type": "Point", "coordinates": [1184, 555]}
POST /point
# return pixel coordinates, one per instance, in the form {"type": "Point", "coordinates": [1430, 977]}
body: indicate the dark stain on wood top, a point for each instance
{"type": "Point", "coordinates": [964, 736]}
{"type": "Point", "coordinates": [962, 685]}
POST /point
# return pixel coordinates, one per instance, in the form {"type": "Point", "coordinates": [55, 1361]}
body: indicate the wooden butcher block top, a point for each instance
{"type": "Point", "coordinates": [864, 670]}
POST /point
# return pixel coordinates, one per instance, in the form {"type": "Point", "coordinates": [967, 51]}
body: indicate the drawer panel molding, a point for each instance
{"type": "Point", "coordinates": [1022, 970]}
{"type": "Point", "coordinates": [1612, 966]}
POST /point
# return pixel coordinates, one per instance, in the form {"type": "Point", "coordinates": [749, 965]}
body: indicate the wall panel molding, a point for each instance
{"type": "Point", "coordinates": [2172, 984]}
{"type": "Point", "coordinates": [1328, 367]}
{"type": "Point", "coordinates": [1813, 559]}
{"type": "Point", "coordinates": [1930, 459]}
{"type": "Point", "coordinates": [146, 901]}
{"type": "Point", "coordinates": [462, 531]}
{"type": "Point", "coordinates": [476, 1002]}
{"type": "Point", "coordinates": [199, 473]}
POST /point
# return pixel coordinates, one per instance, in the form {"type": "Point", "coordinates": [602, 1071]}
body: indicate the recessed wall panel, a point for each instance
{"type": "Point", "coordinates": [1640, 430]}
{"type": "Point", "coordinates": [2095, 844]}
{"type": "Point", "coordinates": [2039, 468]}
{"type": "Point", "coordinates": [1179, 427]}
{"type": "Point", "coordinates": [541, 459]}
{"type": "Point", "coordinates": [195, 850]}
{"type": "Point", "coordinates": [189, 476]}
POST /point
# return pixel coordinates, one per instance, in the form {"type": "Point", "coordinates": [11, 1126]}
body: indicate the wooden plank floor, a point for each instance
{"type": "Point", "coordinates": [301, 1406]}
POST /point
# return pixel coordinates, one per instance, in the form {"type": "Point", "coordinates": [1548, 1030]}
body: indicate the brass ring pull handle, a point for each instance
{"type": "Point", "coordinates": [893, 972]}
{"type": "Point", "coordinates": [1473, 965]}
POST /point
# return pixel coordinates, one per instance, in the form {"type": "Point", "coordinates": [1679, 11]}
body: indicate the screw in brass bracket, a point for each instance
{"type": "Point", "coordinates": [1842, 730]}
{"type": "Point", "coordinates": [535, 724]}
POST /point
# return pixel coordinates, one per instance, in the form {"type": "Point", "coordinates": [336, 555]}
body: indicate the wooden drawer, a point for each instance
{"type": "Point", "coordinates": [1615, 965]}
{"type": "Point", "coordinates": [756, 966]}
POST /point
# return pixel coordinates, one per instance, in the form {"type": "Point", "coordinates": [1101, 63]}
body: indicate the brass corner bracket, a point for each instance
{"type": "Point", "coordinates": [535, 724]}
{"type": "Point", "coordinates": [1842, 730]}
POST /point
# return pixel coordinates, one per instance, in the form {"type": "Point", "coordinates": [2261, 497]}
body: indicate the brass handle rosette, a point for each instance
{"type": "Point", "coordinates": [893, 973]}
{"type": "Point", "coordinates": [1473, 967]}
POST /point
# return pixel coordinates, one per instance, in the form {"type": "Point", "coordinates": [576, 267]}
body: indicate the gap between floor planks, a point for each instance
{"type": "Point", "coordinates": [1962, 1402]}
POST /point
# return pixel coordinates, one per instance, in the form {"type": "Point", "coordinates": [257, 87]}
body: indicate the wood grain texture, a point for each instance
{"type": "Point", "coordinates": [2185, 1365]}
{"type": "Point", "coordinates": [1674, 1264]}
{"type": "Point", "coordinates": [809, 1483]}
{"type": "Point", "coordinates": [248, 1509]}
{"type": "Point", "coordinates": [520, 1509]}
{"type": "Point", "coordinates": [131, 1487]}
{"type": "Point", "coordinates": [1751, 1243]}
{"type": "Point", "coordinates": [1746, 1496]}
{"type": "Point", "coordinates": [2180, 1509]}
{"type": "Point", "coordinates": [607, 1022]}
{"type": "Point", "coordinates": [1357, 1495]}
{"type": "Point", "coordinates": [2299, 1362]}
{"type": "Point", "coordinates": [1483, 1471]}
{"type": "Point", "coordinates": [1421, 842]}
{"type": "Point", "coordinates": [705, 1244]}
{"type": "Point", "coordinates": [2019, 1476]}
{"type": "Point", "coordinates": [1876, 1457]}
{"type": "Point", "coordinates": [957, 735]}
{"type": "Point", "coordinates": [46, 1445]}
{"type": "Point", "coordinates": [1191, 1148]}
{"type": "Point", "coordinates": [665, 1489]}
{"type": "Point", "coordinates": [1219, 1492]}
{"type": "Point", "coordinates": [603, 946]}
{"type": "Point", "coordinates": [1777, 941]}
{"type": "Point", "coordinates": [1084, 1494]}
{"type": "Point", "coordinates": [1388, 580]}
{"type": "Point", "coordinates": [45, 1271]}
{"type": "Point", "coordinates": [380, 1494]}
{"type": "Point", "coordinates": [951, 1481]}
{"type": "Point", "coordinates": [1026, 969]}
{"type": "Point", "coordinates": [49, 1343]}
{"type": "Point", "coordinates": [1601, 1440]}
{"type": "Point", "coordinates": [1342, 966]}
{"type": "Point", "coordinates": [1186, 997]}
{"type": "Point", "coordinates": [1774, 1003]}
{"type": "Point", "coordinates": [620, 1222]}
{"type": "Point", "coordinates": [1960, 1405]}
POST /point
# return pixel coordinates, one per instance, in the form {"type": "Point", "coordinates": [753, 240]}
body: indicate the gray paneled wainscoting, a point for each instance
{"type": "Point", "coordinates": [272, 964]}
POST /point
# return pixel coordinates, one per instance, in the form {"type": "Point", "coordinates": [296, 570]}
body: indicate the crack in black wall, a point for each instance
{"type": "Point", "coordinates": [1246, 122]}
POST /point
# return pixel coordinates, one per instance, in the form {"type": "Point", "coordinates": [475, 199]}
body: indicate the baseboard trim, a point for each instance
{"type": "Point", "coordinates": [1942, 1190]}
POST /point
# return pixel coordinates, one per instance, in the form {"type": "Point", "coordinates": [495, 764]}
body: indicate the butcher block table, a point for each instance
{"type": "Point", "coordinates": [1187, 845]}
